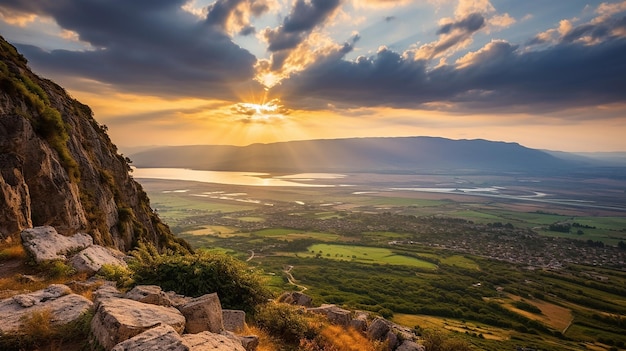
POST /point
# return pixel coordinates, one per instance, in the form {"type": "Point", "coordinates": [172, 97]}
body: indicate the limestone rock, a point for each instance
{"type": "Point", "coordinates": [44, 243]}
{"type": "Point", "coordinates": [408, 345]}
{"type": "Point", "coordinates": [162, 337]}
{"type": "Point", "coordinates": [52, 292]}
{"type": "Point", "coordinates": [334, 314]}
{"type": "Point", "coordinates": [359, 322]}
{"type": "Point", "coordinates": [211, 341]}
{"type": "Point", "coordinates": [64, 307]}
{"type": "Point", "coordinates": [392, 340]}
{"type": "Point", "coordinates": [234, 320]}
{"type": "Point", "coordinates": [118, 319]}
{"type": "Point", "coordinates": [81, 185]}
{"type": "Point", "coordinates": [151, 294]}
{"type": "Point", "coordinates": [91, 259]}
{"type": "Point", "coordinates": [378, 329]}
{"type": "Point", "coordinates": [249, 342]}
{"type": "Point", "coordinates": [296, 298]}
{"type": "Point", "coordinates": [106, 291]}
{"type": "Point", "coordinates": [177, 299]}
{"type": "Point", "coordinates": [203, 313]}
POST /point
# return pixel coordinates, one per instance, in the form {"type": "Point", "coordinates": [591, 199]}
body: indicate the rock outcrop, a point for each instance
{"type": "Point", "coordinates": [127, 324]}
{"type": "Point", "coordinates": [58, 300]}
{"type": "Point", "coordinates": [45, 244]}
{"type": "Point", "coordinates": [58, 167]}
{"type": "Point", "coordinates": [234, 320]}
{"type": "Point", "coordinates": [203, 314]}
{"type": "Point", "coordinates": [334, 314]}
{"type": "Point", "coordinates": [117, 320]}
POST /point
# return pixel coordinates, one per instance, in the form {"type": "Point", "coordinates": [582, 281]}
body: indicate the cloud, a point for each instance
{"type": "Point", "coordinates": [304, 17]}
{"type": "Point", "coordinates": [297, 41]}
{"type": "Point", "coordinates": [499, 76]}
{"type": "Point", "coordinates": [152, 46]}
{"type": "Point", "coordinates": [233, 16]}
{"type": "Point", "coordinates": [453, 35]}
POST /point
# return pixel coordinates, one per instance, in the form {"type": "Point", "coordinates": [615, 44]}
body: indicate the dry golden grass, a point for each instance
{"type": "Point", "coordinates": [14, 251]}
{"type": "Point", "coordinates": [452, 325]}
{"type": "Point", "coordinates": [266, 342]}
{"type": "Point", "coordinates": [336, 338]}
{"type": "Point", "coordinates": [554, 316]}
{"type": "Point", "coordinates": [38, 323]}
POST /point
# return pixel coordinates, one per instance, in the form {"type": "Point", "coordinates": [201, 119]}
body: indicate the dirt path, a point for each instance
{"type": "Point", "coordinates": [292, 280]}
{"type": "Point", "coordinates": [251, 255]}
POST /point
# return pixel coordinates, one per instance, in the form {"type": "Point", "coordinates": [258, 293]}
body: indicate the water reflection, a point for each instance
{"type": "Point", "coordinates": [222, 177]}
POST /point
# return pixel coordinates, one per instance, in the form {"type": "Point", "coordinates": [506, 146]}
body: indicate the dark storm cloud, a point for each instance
{"type": "Point", "coordinates": [596, 31]}
{"type": "Point", "coordinates": [499, 76]}
{"type": "Point", "coordinates": [148, 45]}
{"type": "Point", "coordinates": [471, 23]}
{"type": "Point", "coordinates": [302, 19]}
{"type": "Point", "coordinates": [452, 34]}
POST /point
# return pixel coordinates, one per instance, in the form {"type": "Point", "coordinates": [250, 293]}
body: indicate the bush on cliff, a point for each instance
{"type": "Point", "coordinates": [237, 286]}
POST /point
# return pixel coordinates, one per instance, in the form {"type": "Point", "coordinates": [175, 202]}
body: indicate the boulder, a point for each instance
{"type": "Point", "coordinates": [334, 314]}
{"type": "Point", "coordinates": [408, 345]}
{"type": "Point", "coordinates": [106, 291]}
{"type": "Point", "coordinates": [151, 294]}
{"type": "Point", "coordinates": [162, 337]}
{"type": "Point", "coordinates": [117, 320]}
{"type": "Point", "coordinates": [234, 320]}
{"type": "Point", "coordinates": [45, 244]}
{"type": "Point", "coordinates": [211, 341]}
{"type": "Point", "coordinates": [249, 342]}
{"type": "Point", "coordinates": [177, 299]}
{"type": "Point", "coordinates": [359, 322]}
{"type": "Point", "coordinates": [378, 329]}
{"type": "Point", "coordinates": [203, 313]}
{"type": "Point", "coordinates": [392, 340]}
{"type": "Point", "coordinates": [64, 307]}
{"type": "Point", "coordinates": [91, 259]}
{"type": "Point", "coordinates": [296, 298]}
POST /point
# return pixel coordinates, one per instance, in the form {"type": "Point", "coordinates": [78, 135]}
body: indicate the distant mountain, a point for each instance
{"type": "Point", "coordinates": [593, 158]}
{"type": "Point", "coordinates": [399, 154]}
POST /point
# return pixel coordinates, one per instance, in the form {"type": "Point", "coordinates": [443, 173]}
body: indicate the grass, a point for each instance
{"type": "Point", "coordinates": [552, 315]}
{"type": "Point", "coordinates": [452, 325]}
{"type": "Point", "coordinates": [454, 261]}
{"type": "Point", "coordinates": [364, 254]}
{"type": "Point", "coordinates": [291, 234]}
{"type": "Point", "coordinates": [12, 252]}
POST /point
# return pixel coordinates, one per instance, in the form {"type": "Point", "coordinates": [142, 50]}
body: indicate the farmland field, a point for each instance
{"type": "Point", "coordinates": [457, 262]}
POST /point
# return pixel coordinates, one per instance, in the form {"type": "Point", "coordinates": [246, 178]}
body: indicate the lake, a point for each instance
{"type": "Point", "coordinates": [234, 178]}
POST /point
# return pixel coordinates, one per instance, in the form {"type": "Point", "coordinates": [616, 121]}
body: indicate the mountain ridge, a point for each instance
{"type": "Point", "coordinates": [368, 154]}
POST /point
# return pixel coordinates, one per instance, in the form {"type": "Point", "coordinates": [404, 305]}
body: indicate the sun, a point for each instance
{"type": "Point", "coordinates": [266, 111]}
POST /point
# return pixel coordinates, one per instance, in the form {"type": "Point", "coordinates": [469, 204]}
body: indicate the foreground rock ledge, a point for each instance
{"type": "Point", "coordinates": [117, 320]}
{"type": "Point", "coordinates": [57, 299]}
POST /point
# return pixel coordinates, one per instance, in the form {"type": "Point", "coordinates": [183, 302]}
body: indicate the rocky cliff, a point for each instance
{"type": "Point", "coordinates": [58, 166]}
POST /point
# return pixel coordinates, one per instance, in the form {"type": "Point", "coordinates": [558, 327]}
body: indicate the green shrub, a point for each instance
{"type": "Point", "coordinates": [202, 273]}
{"type": "Point", "coordinates": [284, 321]}
{"type": "Point", "coordinates": [122, 276]}
{"type": "Point", "coordinates": [523, 305]}
{"type": "Point", "coordinates": [36, 89]}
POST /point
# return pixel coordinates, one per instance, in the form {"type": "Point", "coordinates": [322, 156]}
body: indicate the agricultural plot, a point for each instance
{"type": "Point", "coordinates": [364, 254]}
{"type": "Point", "coordinates": [353, 247]}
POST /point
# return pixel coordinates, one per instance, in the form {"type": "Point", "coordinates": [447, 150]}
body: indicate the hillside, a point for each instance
{"type": "Point", "coordinates": [400, 154]}
{"type": "Point", "coordinates": [58, 166]}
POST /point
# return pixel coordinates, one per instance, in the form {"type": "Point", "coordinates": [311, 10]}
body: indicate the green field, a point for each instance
{"type": "Point", "coordinates": [363, 254]}
{"type": "Point", "coordinates": [419, 261]}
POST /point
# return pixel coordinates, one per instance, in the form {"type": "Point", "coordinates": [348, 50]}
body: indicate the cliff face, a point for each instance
{"type": "Point", "coordinates": [58, 166]}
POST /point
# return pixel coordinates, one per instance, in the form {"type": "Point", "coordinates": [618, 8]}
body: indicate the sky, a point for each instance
{"type": "Point", "coordinates": [546, 74]}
